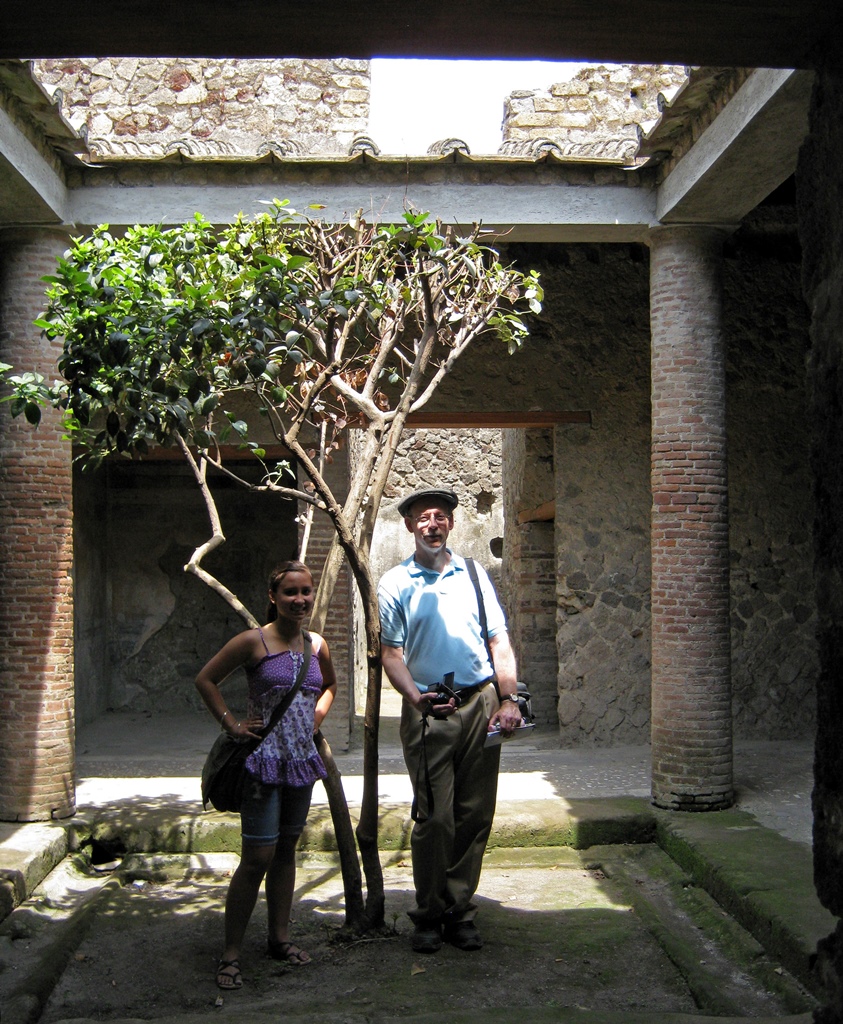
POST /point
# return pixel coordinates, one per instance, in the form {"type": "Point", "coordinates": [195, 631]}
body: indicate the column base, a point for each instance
{"type": "Point", "coordinates": [719, 801]}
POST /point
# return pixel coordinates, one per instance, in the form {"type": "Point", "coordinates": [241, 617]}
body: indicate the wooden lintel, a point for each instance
{"type": "Point", "coordinates": [542, 514]}
{"type": "Point", "coordinates": [495, 419]}
{"type": "Point", "coordinates": [228, 452]}
{"type": "Point", "coordinates": [431, 420]}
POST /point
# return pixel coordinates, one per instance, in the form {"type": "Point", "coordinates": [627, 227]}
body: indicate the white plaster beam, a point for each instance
{"type": "Point", "coordinates": [31, 192]}
{"type": "Point", "coordinates": [747, 151]}
{"type": "Point", "coordinates": [547, 213]}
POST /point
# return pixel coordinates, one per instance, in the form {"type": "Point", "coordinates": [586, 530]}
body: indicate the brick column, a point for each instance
{"type": "Point", "coordinates": [691, 684]}
{"type": "Point", "coordinates": [36, 546]}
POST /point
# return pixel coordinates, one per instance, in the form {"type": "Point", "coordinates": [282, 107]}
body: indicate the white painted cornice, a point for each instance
{"type": "Point", "coordinates": [537, 212]}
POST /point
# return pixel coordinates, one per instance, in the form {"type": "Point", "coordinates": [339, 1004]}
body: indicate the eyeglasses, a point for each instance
{"type": "Point", "coordinates": [437, 517]}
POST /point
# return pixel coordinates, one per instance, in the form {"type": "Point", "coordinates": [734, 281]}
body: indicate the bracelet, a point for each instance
{"type": "Point", "coordinates": [222, 717]}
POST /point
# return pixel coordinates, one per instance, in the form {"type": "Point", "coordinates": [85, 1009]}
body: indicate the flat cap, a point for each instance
{"type": "Point", "coordinates": [440, 494]}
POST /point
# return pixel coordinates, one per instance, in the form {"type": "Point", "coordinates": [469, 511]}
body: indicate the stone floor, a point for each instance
{"type": "Point", "coordinates": [773, 780]}
{"type": "Point", "coordinates": [715, 920]}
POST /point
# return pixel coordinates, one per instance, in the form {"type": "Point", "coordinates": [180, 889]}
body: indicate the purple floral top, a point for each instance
{"type": "Point", "coordinates": [287, 757]}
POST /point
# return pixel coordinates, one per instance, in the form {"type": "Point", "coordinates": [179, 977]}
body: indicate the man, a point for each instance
{"type": "Point", "coordinates": [430, 627]}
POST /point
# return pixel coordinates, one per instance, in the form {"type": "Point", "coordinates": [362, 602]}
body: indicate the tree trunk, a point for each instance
{"type": "Point", "coordinates": [356, 918]}
{"type": "Point", "coordinates": [367, 828]}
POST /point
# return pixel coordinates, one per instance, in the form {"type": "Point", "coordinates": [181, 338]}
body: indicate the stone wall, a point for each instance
{"type": "Point", "coordinates": [529, 565]}
{"type": "Point", "coordinates": [469, 461]}
{"type": "Point", "coordinates": [774, 651]}
{"type": "Point", "coordinates": [821, 231]}
{"type": "Point", "coordinates": [596, 115]}
{"type": "Point", "coordinates": [151, 107]}
{"type": "Point", "coordinates": [161, 624]}
{"type": "Point", "coordinates": [590, 350]}
{"type": "Point", "coordinates": [599, 334]}
{"type": "Point", "coordinates": [147, 108]}
{"type": "Point", "coordinates": [144, 627]}
{"type": "Point", "coordinates": [585, 599]}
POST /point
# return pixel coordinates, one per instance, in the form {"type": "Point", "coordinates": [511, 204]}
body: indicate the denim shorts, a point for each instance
{"type": "Point", "coordinates": [268, 812]}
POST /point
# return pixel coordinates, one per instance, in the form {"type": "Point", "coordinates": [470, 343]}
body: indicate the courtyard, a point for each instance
{"type": "Point", "coordinates": [593, 905]}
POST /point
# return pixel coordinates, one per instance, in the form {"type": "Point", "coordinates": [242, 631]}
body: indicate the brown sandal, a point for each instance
{"type": "Point", "coordinates": [228, 975]}
{"type": "Point", "coordinates": [288, 952]}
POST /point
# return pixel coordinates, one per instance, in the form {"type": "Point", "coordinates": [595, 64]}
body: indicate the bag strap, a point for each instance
{"type": "Point", "coordinates": [275, 718]}
{"type": "Point", "coordinates": [481, 608]}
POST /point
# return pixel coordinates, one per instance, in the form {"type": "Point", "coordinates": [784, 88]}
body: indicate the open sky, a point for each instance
{"type": "Point", "coordinates": [415, 103]}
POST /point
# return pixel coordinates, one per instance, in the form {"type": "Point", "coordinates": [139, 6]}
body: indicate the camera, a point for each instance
{"type": "Point", "coordinates": [444, 692]}
{"type": "Point", "coordinates": [442, 697]}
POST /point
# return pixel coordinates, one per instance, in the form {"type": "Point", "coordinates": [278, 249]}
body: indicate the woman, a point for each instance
{"type": "Point", "coordinates": [284, 767]}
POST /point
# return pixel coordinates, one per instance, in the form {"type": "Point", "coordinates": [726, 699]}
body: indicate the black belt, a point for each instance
{"type": "Point", "coordinates": [465, 693]}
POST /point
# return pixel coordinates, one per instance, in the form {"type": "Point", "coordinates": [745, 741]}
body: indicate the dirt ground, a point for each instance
{"type": "Point", "coordinates": [559, 935]}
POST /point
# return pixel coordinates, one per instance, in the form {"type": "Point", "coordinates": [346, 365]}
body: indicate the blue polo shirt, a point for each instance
{"type": "Point", "coordinates": [436, 620]}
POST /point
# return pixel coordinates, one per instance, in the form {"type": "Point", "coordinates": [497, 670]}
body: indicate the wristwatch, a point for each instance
{"type": "Point", "coordinates": [509, 696]}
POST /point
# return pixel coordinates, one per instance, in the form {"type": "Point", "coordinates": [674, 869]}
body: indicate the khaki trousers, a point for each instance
{"type": "Point", "coordinates": [447, 848]}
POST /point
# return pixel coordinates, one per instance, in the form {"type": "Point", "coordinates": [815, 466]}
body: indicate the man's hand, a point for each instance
{"type": "Point", "coordinates": [508, 717]}
{"type": "Point", "coordinates": [392, 659]}
{"type": "Point", "coordinates": [435, 710]}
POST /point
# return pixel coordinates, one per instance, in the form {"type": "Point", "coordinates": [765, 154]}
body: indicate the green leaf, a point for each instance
{"type": "Point", "coordinates": [156, 316]}
{"type": "Point", "coordinates": [33, 413]}
{"type": "Point", "coordinates": [200, 327]}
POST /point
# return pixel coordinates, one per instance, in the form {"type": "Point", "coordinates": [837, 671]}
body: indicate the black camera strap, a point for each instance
{"type": "Point", "coordinates": [415, 813]}
{"type": "Point", "coordinates": [481, 610]}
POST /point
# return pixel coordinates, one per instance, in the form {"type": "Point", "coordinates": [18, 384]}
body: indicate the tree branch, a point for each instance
{"type": "Point", "coordinates": [217, 538]}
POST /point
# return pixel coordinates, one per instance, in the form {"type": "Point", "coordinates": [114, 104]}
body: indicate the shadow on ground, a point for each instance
{"type": "Point", "coordinates": [608, 930]}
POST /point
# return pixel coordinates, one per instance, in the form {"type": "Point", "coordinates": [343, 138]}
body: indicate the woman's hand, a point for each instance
{"type": "Point", "coordinates": [246, 729]}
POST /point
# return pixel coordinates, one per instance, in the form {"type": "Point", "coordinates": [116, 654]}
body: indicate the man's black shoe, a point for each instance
{"type": "Point", "coordinates": [464, 935]}
{"type": "Point", "coordinates": [426, 938]}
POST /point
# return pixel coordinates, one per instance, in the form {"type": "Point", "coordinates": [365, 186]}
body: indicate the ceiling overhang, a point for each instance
{"type": "Point", "coordinates": [743, 155]}
{"type": "Point", "coordinates": [753, 33]}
